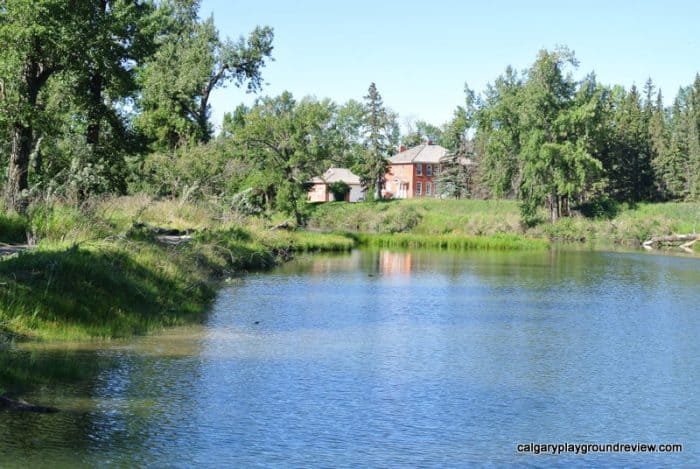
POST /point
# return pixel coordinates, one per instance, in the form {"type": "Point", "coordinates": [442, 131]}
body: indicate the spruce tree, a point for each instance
{"type": "Point", "coordinates": [379, 131]}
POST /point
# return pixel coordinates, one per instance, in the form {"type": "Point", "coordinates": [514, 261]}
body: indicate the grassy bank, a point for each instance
{"type": "Point", "coordinates": [101, 272]}
{"type": "Point", "coordinates": [622, 224]}
{"type": "Point", "coordinates": [93, 274]}
{"type": "Point", "coordinates": [497, 242]}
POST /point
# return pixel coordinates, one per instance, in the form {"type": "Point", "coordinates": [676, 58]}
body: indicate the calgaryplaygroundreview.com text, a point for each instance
{"type": "Point", "coordinates": [585, 448]}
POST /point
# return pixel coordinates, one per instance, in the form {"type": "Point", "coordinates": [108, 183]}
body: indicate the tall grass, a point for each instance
{"type": "Point", "coordinates": [13, 228]}
{"type": "Point", "coordinates": [498, 242]}
{"type": "Point", "coordinates": [624, 225]}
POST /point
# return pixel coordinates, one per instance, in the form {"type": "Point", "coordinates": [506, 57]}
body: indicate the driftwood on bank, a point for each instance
{"type": "Point", "coordinates": [8, 249]}
{"type": "Point", "coordinates": [684, 242]}
{"type": "Point", "coordinates": [169, 236]}
{"type": "Point", "coordinates": [22, 406]}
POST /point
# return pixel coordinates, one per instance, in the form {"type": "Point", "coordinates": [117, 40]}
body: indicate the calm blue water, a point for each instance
{"type": "Point", "coordinates": [386, 359]}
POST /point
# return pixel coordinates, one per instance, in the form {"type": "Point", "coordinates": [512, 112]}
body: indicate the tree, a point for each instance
{"type": "Point", "coordinates": [497, 141]}
{"type": "Point", "coordinates": [556, 162]}
{"type": "Point", "coordinates": [380, 131]}
{"type": "Point", "coordinates": [190, 63]}
{"type": "Point", "coordinates": [348, 143]}
{"type": "Point", "coordinates": [457, 177]}
{"type": "Point", "coordinates": [630, 173]}
{"type": "Point", "coordinates": [287, 140]}
{"type": "Point", "coordinates": [420, 131]}
{"type": "Point", "coordinates": [44, 37]}
{"type": "Point", "coordinates": [658, 133]}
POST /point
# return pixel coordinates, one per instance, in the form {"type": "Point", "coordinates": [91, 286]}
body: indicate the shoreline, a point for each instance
{"type": "Point", "coordinates": [104, 274]}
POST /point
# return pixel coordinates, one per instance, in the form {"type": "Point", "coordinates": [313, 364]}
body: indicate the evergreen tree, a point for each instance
{"type": "Point", "coordinates": [631, 175]}
{"type": "Point", "coordinates": [380, 132]}
{"type": "Point", "coordinates": [658, 134]}
{"type": "Point", "coordinates": [556, 163]}
{"type": "Point", "coordinates": [497, 141]}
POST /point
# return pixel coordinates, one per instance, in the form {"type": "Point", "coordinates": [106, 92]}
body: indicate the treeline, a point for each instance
{"type": "Point", "coordinates": [113, 97]}
{"type": "Point", "coordinates": [548, 139]}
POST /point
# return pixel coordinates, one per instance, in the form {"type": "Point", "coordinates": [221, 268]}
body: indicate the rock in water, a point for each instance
{"type": "Point", "coordinates": [19, 405]}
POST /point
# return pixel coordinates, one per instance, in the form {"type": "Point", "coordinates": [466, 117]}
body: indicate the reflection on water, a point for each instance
{"type": "Point", "coordinates": [383, 358]}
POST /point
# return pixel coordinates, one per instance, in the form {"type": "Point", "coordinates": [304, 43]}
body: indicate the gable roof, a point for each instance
{"type": "Point", "coordinates": [337, 175]}
{"type": "Point", "coordinates": [421, 154]}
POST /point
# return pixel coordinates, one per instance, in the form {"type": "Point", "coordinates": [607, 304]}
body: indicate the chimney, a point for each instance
{"type": "Point", "coordinates": [402, 148]}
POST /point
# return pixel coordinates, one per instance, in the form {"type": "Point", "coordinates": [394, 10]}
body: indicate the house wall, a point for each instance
{"type": "Point", "coordinates": [424, 180]}
{"type": "Point", "coordinates": [356, 193]}
{"type": "Point", "coordinates": [409, 172]}
{"type": "Point", "coordinates": [403, 172]}
{"type": "Point", "coordinates": [318, 193]}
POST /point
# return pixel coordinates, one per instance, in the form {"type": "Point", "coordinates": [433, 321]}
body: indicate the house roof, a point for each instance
{"type": "Point", "coordinates": [421, 154]}
{"type": "Point", "coordinates": [337, 175]}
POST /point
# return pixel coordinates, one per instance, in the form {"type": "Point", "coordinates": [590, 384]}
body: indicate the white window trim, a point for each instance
{"type": "Point", "coordinates": [428, 170]}
{"type": "Point", "coordinates": [428, 188]}
{"type": "Point", "coordinates": [419, 188]}
{"type": "Point", "coordinates": [419, 169]}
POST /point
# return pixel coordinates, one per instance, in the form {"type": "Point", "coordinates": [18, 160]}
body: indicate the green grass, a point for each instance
{"type": "Point", "coordinates": [104, 289]}
{"type": "Point", "coordinates": [432, 217]}
{"type": "Point", "coordinates": [419, 216]}
{"type": "Point", "coordinates": [499, 242]}
{"type": "Point", "coordinates": [13, 228]}
{"type": "Point", "coordinates": [93, 275]}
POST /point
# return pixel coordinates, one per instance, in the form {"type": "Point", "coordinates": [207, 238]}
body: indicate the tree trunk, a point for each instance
{"type": "Point", "coordinates": [34, 75]}
{"type": "Point", "coordinates": [17, 171]}
{"type": "Point", "coordinates": [379, 185]}
{"type": "Point", "coordinates": [92, 135]}
{"type": "Point", "coordinates": [554, 207]}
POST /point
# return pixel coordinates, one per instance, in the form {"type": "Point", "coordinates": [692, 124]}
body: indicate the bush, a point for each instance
{"type": "Point", "coordinates": [339, 190]}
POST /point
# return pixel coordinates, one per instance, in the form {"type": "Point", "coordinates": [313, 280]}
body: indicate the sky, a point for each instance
{"type": "Point", "coordinates": [420, 54]}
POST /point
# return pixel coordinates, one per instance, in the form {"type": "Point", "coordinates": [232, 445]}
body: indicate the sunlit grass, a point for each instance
{"type": "Point", "coordinates": [498, 242]}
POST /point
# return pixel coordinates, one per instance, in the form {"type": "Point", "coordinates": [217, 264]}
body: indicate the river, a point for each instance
{"type": "Point", "coordinates": [386, 359]}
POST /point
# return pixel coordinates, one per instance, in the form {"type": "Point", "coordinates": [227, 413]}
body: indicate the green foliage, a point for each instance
{"type": "Point", "coordinates": [190, 62]}
{"type": "Point", "coordinates": [339, 189]}
{"type": "Point", "coordinates": [287, 141]}
{"type": "Point", "coordinates": [380, 132]}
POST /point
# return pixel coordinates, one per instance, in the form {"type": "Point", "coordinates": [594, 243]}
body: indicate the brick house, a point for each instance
{"type": "Point", "coordinates": [412, 172]}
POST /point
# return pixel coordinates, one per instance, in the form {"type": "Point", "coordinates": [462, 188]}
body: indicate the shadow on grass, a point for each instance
{"type": "Point", "coordinates": [13, 229]}
{"type": "Point", "coordinates": [604, 208]}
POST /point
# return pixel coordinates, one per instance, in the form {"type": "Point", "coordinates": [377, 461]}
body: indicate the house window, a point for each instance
{"type": "Point", "coordinates": [435, 189]}
{"type": "Point", "coordinates": [419, 170]}
{"type": "Point", "coordinates": [419, 188]}
{"type": "Point", "coordinates": [436, 170]}
{"type": "Point", "coordinates": [428, 170]}
{"type": "Point", "coordinates": [428, 188]}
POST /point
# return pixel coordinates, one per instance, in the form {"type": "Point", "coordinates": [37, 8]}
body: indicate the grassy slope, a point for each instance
{"type": "Point", "coordinates": [92, 275]}
{"type": "Point", "coordinates": [494, 217]}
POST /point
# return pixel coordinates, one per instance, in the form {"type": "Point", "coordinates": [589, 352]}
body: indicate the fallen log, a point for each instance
{"type": "Point", "coordinates": [22, 406]}
{"type": "Point", "coordinates": [9, 249]}
{"type": "Point", "coordinates": [685, 241]}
